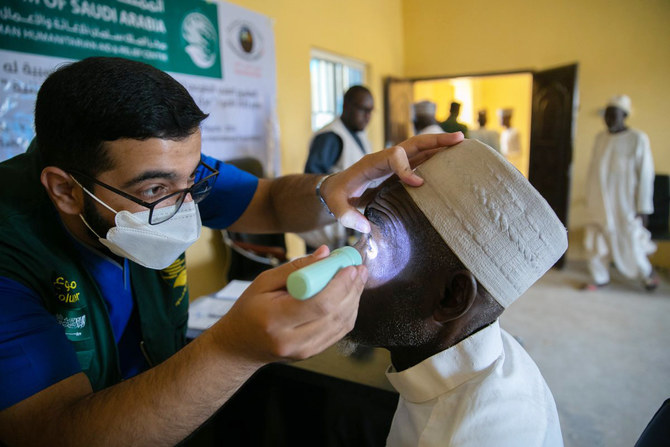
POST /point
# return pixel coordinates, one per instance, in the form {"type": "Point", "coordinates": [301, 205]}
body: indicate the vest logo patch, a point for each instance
{"type": "Point", "coordinates": [176, 274]}
{"type": "Point", "coordinates": [66, 291]}
{"type": "Point", "coordinates": [74, 323]}
{"type": "Point", "coordinates": [71, 323]}
{"type": "Point", "coordinates": [70, 309]}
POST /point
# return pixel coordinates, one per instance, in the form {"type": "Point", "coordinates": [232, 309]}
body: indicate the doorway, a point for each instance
{"type": "Point", "coordinates": [543, 104]}
{"type": "Point", "coordinates": [491, 96]}
{"type": "Point", "coordinates": [488, 94]}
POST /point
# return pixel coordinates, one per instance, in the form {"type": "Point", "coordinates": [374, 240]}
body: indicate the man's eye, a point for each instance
{"type": "Point", "coordinates": [154, 193]}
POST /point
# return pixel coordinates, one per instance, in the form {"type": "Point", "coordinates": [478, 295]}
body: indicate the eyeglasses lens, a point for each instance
{"type": "Point", "coordinates": [202, 189]}
{"type": "Point", "coordinates": [198, 191]}
{"type": "Point", "coordinates": [160, 215]}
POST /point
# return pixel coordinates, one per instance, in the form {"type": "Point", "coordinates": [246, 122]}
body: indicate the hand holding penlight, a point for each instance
{"type": "Point", "coordinates": [308, 281]}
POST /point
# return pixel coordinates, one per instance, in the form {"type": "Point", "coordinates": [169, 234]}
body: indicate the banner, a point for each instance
{"type": "Point", "coordinates": [222, 53]}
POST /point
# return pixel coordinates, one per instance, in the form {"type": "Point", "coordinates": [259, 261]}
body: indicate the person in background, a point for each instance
{"type": "Point", "coordinates": [94, 221]}
{"type": "Point", "coordinates": [487, 136]}
{"type": "Point", "coordinates": [334, 148]}
{"type": "Point", "coordinates": [444, 262]}
{"type": "Point", "coordinates": [510, 140]}
{"type": "Point", "coordinates": [424, 118]}
{"type": "Point", "coordinates": [342, 142]}
{"type": "Point", "coordinates": [619, 198]}
{"type": "Point", "coordinates": [452, 124]}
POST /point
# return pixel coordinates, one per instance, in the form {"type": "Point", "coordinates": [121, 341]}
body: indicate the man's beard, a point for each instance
{"type": "Point", "coordinates": [94, 220]}
{"type": "Point", "coordinates": [402, 325]}
{"type": "Point", "coordinates": [346, 346]}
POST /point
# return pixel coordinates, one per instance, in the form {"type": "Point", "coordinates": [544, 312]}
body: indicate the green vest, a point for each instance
{"type": "Point", "coordinates": [37, 251]}
{"type": "Point", "coordinates": [452, 125]}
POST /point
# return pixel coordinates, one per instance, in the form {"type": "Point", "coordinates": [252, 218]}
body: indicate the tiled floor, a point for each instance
{"type": "Point", "coordinates": [604, 354]}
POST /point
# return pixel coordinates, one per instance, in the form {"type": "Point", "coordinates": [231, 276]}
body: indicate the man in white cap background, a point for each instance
{"type": "Point", "coordinates": [424, 118]}
{"type": "Point", "coordinates": [487, 136]}
{"type": "Point", "coordinates": [445, 260]}
{"type": "Point", "coordinates": [510, 139]}
{"type": "Point", "coordinates": [619, 198]}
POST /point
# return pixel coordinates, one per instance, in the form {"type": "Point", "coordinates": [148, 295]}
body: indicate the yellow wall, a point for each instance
{"type": "Point", "coordinates": [621, 47]}
{"type": "Point", "coordinates": [514, 92]}
{"type": "Point", "coordinates": [369, 31]}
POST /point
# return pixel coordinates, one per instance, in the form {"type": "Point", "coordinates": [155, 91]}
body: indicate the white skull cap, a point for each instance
{"type": "Point", "coordinates": [491, 217]}
{"type": "Point", "coordinates": [620, 101]}
{"type": "Point", "coordinates": [425, 108]}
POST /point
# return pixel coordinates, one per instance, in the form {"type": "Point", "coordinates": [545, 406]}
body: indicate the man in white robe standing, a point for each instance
{"type": "Point", "coordinates": [619, 198]}
{"type": "Point", "coordinates": [487, 136]}
{"type": "Point", "coordinates": [510, 139]}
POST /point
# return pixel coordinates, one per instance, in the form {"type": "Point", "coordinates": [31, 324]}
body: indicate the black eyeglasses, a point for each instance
{"type": "Point", "coordinates": [204, 182]}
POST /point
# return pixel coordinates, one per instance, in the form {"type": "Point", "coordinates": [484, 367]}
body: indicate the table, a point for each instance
{"type": "Point", "coordinates": [327, 400]}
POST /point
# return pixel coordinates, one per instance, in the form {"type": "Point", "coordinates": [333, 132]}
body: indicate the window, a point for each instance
{"type": "Point", "coordinates": [331, 76]}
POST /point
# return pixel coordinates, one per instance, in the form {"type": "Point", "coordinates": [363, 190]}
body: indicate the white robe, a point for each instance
{"type": "Point", "coordinates": [510, 142]}
{"type": "Point", "coordinates": [432, 129]}
{"type": "Point", "coordinates": [485, 391]}
{"type": "Point", "coordinates": [489, 137]}
{"type": "Point", "coordinates": [620, 185]}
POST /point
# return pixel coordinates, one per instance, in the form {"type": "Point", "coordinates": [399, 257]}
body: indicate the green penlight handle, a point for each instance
{"type": "Point", "coordinates": [308, 281]}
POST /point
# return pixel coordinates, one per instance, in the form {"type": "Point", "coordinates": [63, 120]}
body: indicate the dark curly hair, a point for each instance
{"type": "Point", "coordinates": [84, 104]}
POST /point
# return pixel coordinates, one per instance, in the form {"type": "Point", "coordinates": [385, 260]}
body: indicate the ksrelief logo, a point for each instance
{"type": "Point", "coordinates": [245, 40]}
{"type": "Point", "coordinates": [201, 39]}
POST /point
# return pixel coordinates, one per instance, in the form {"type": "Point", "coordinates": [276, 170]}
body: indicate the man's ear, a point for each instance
{"type": "Point", "coordinates": [62, 190]}
{"type": "Point", "coordinates": [460, 292]}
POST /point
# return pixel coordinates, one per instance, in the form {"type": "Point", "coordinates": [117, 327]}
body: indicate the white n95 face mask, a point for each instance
{"type": "Point", "coordinates": [152, 246]}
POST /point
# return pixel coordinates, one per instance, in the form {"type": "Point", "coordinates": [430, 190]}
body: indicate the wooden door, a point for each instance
{"type": "Point", "coordinates": [555, 103]}
{"type": "Point", "coordinates": [398, 100]}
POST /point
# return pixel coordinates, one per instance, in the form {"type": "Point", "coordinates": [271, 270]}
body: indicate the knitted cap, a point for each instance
{"type": "Point", "coordinates": [491, 217]}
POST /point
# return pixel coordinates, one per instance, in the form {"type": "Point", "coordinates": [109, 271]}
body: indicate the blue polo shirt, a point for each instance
{"type": "Point", "coordinates": [34, 351]}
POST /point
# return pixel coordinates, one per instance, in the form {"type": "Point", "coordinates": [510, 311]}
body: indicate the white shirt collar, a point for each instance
{"type": "Point", "coordinates": [448, 369]}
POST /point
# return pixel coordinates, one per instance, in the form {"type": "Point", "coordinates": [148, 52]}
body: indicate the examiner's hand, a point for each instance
{"type": "Point", "coordinates": [341, 190]}
{"type": "Point", "coordinates": [266, 324]}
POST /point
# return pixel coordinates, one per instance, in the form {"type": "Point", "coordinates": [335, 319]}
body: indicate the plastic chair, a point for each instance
{"type": "Point", "coordinates": [253, 253]}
